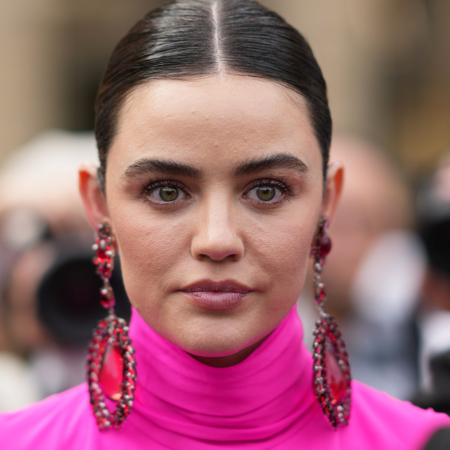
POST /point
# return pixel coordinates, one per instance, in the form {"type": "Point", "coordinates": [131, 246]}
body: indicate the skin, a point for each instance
{"type": "Point", "coordinates": [225, 128]}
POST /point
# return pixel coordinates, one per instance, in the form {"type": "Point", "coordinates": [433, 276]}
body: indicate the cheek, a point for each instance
{"type": "Point", "coordinates": [281, 248]}
{"type": "Point", "coordinates": [150, 248]}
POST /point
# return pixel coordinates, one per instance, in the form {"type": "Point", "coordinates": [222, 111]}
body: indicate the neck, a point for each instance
{"type": "Point", "coordinates": [229, 360]}
{"type": "Point", "coordinates": [263, 392]}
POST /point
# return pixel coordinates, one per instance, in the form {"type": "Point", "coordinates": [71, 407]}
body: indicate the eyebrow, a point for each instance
{"type": "Point", "coordinates": [279, 161]}
{"type": "Point", "coordinates": [146, 165]}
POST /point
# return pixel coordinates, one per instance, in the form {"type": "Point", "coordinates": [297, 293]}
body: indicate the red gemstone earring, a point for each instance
{"type": "Point", "coordinates": [111, 366]}
{"type": "Point", "coordinates": [332, 374]}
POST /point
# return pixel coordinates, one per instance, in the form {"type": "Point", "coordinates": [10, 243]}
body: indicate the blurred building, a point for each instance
{"type": "Point", "coordinates": [387, 64]}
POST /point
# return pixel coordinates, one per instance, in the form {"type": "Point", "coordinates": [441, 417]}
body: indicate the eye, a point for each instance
{"type": "Point", "coordinates": [265, 193]}
{"type": "Point", "coordinates": [166, 194]}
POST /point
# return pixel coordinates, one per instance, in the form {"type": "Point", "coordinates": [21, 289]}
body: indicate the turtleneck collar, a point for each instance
{"type": "Point", "coordinates": [265, 402]}
{"type": "Point", "coordinates": [255, 400]}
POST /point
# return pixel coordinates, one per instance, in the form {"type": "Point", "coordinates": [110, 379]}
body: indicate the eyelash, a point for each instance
{"type": "Point", "coordinates": [160, 183]}
{"type": "Point", "coordinates": [281, 184]}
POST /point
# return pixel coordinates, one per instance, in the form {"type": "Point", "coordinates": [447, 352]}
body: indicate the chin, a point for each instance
{"type": "Point", "coordinates": [205, 346]}
{"type": "Point", "coordinates": [217, 341]}
{"type": "Point", "coordinates": [212, 334]}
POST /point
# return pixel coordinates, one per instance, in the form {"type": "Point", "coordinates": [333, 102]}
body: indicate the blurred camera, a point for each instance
{"type": "Point", "coordinates": [68, 297]}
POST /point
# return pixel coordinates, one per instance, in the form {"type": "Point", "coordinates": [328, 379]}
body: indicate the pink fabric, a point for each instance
{"type": "Point", "coordinates": [266, 402]}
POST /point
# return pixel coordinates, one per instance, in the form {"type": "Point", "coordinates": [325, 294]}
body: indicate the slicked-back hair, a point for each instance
{"type": "Point", "coordinates": [194, 38]}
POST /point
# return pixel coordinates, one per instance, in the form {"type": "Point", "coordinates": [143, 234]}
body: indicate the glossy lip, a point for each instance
{"type": "Point", "coordinates": [217, 295]}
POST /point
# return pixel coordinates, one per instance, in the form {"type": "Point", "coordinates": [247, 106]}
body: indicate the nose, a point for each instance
{"type": "Point", "coordinates": [217, 235]}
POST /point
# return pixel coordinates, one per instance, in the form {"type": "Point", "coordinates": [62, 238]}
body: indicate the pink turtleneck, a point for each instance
{"type": "Point", "coordinates": [265, 402]}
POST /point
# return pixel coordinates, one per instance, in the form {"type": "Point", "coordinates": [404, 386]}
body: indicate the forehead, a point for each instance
{"type": "Point", "coordinates": [219, 117]}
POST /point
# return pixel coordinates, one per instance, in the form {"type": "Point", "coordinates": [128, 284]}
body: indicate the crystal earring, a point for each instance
{"type": "Point", "coordinates": [332, 374]}
{"type": "Point", "coordinates": [111, 366]}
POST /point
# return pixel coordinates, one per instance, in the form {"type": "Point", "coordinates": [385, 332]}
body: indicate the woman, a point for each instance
{"type": "Point", "coordinates": [213, 130]}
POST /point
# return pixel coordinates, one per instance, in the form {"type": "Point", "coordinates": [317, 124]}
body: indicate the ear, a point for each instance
{"type": "Point", "coordinates": [333, 189]}
{"type": "Point", "coordinates": [93, 199]}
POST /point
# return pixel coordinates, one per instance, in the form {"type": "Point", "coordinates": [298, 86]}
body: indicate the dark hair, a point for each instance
{"type": "Point", "coordinates": [194, 38]}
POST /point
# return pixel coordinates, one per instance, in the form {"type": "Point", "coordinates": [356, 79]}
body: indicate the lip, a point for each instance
{"type": "Point", "coordinates": [217, 295]}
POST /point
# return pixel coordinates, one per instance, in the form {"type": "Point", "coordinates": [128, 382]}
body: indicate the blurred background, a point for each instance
{"type": "Point", "coordinates": [386, 62]}
{"type": "Point", "coordinates": [387, 65]}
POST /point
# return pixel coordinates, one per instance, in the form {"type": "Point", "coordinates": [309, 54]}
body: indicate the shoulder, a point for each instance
{"type": "Point", "coordinates": [370, 399]}
{"type": "Point", "coordinates": [51, 423]}
{"type": "Point", "coordinates": [389, 420]}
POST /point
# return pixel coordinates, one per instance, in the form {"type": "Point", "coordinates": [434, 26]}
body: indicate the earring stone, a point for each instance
{"type": "Point", "coordinates": [331, 367]}
{"type": "Point", "coordinates": [111, 366]}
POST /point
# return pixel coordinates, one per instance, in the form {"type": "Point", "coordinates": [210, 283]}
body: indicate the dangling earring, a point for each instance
{"type": "Point", "coordinates": [332, 374]}
{"type": "Point", "coordinates": [111, 367]}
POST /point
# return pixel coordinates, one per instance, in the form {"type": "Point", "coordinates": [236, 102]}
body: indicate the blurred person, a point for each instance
{"type": "Point", "coordinates": [213, 129]}
{"type": "Point", "coordinates": [37, 222]}
{"type": "Point", "coordinates": [17, 385]}
{"type": "Point", "coordinates": [31, 210]}
{"type": "Point", "coordinates": [433, 210]}
{"type": "Point", "coordinates": [374, 273]}
{"type": "Point", "coordinates": [49, 305]}
{"type": "Point", "coordinates": [374, 201]}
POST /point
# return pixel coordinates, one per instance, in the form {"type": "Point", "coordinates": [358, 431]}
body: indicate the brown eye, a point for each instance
{"type": "Point", "coordinates": [168, 194]}
{"type": "Point", "coordinates": [265, 193]}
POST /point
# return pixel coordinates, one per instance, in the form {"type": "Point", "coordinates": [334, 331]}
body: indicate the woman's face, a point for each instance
{"type": "Point", "coordinates": [214, 190]}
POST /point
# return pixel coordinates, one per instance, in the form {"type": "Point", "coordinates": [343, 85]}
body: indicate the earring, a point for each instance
{"type": "Point", "coordinates": [111, 366]}
{"type": "Point", "coordinates": [332, 374]}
